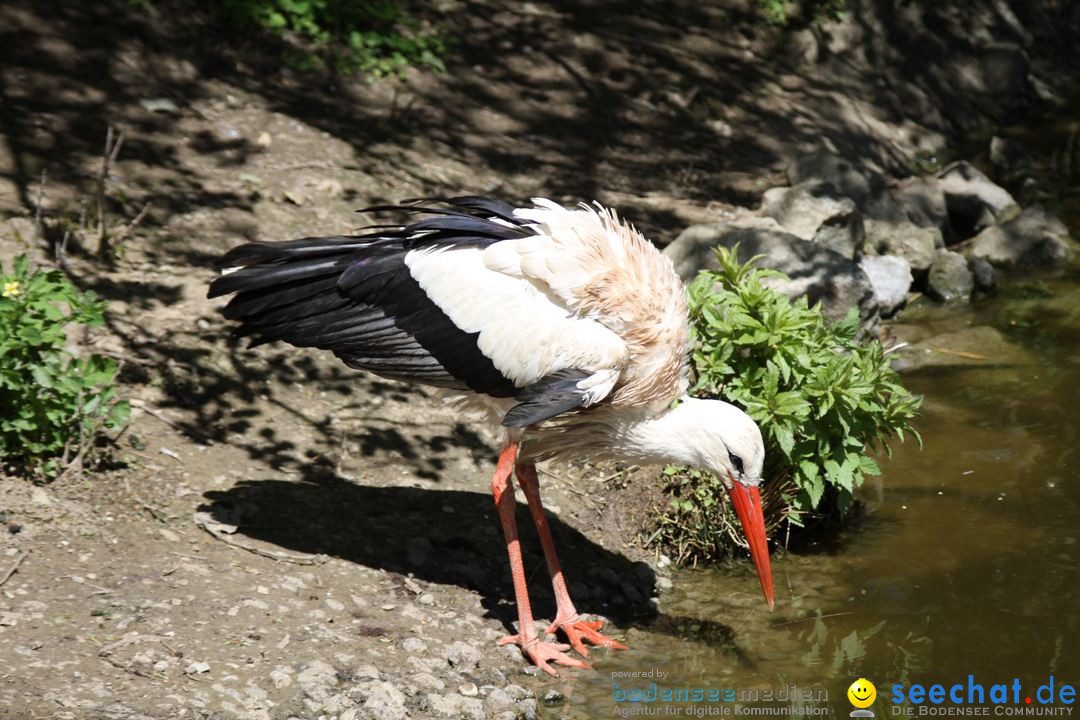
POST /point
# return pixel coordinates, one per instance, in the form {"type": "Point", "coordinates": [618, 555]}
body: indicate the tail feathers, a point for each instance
{"type": "Point", "coordinates": [277, 274]}
{"type": "Point", "coordinates": [284, 299]}
{"type": "Point", "coordinates": [309, 247]}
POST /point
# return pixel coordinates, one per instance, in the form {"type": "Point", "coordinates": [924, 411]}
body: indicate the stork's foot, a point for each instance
{"type": "Point", "coordinates": [542, 653]}
{"type": "Point", "coordinates": [579, 632]}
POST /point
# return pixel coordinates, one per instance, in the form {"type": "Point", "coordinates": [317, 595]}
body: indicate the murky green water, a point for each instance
{"type": "Point", "coordinates": [967, 561]}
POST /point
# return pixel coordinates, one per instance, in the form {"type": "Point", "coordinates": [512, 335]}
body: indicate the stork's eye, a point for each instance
{"type": "Point", "coordinates": [736, 461]}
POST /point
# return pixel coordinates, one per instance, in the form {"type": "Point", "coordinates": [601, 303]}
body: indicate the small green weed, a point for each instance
{"type": "Point", "coordinates": [824, 401]}
{"type": "Point", "coordinates": [778, 12]}
{"type": "Point", "coordinates": [54, 404]}
{"type": "Point", "coordinates": [372, 37]}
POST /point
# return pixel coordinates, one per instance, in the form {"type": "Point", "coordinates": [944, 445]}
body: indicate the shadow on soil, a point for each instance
{"type": "Point", "coordinates": [460, 542]}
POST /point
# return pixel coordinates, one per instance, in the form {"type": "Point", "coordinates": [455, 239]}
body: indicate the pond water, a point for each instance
{"type": "Point", "coordinates": [965, 562]}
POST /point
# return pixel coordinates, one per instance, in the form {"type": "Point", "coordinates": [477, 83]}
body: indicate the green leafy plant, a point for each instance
{"type": "Point", "coordinates": [54, 403]}
{"type": "Point", "coordinates": [824, 400]}
{"type": "Point", "coordinates": [372, 37]}
{"type": "Point", "coordinates": [778, 12]}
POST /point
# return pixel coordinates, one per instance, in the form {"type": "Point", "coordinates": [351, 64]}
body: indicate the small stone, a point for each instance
{"type": "Point", "coordinates": [552, 697]}
{"type": "Point", "coordinates": [366, 672]}
{"type": "Point", "coordinates": [890, 277]}
{"type": "Point", "coordinates": [427, 681]}
{"type": "Point", "coordinates": [385, 702]}
{"type": "Point", "coordinates": [498, 699]}
{"type": "Point", "coordinates": [169, 535]}
{"type": "Point", "coordinates": [196, 668]}
{"type": "Point", "coordinates": [388, 607]}
{"type": "Point", "coordinates": [949, 279]}
{"type": "Point", "coordinates": [281, 677]}
{"type": "Point", "coordinates": [529, 709]}
{"type": "Point", "coordinates": [316, 680]}
{"type": "Point", "coordinates": [462, 656]}
{"type": "Point", "coordinates": [469, 689]}
{"type": "Point", "coordinates": [664, 584]}
{"type": "Point", "coordinates": [158, 105]}
{"type": "Point", "coordinates": [426, 599]}
{"type": "Point", "coordinates": [265, 139]}
{"type": "Point", "coordinates": [414, 645]}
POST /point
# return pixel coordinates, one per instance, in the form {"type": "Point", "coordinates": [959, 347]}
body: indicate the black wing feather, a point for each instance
{"type": "Point", "coordinates": [549, 396]}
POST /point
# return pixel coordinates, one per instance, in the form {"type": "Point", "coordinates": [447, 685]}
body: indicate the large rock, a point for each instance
{"type": "Point", "coordinates": [821, 275]}
{"type": "Point", "coordinates": [973, 201]}
{"type": "Point", "coordinates": [923, 202]}
{"type": "Point", "coordinates": [950, 278]}
{"type": "Point", "coordinates": [904, 239]}
{"type": "Point", "coordinates": [817, 211]}
{"type": "Point", "coordinates": [1034, 239]}
{"type": "Point", "coordinates": [890, 278]}
{"type": "Point", "coordinates": [855, 181]}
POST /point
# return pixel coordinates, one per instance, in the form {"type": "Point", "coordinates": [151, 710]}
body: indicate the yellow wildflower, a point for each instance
{"type": "Point", "coordinates": [11, 289]}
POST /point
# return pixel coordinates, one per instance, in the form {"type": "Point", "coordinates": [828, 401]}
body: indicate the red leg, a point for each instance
{"type": "Point", "coordinates": [539, 652]}
{"type": "Point", "coordinates": [577, 631]}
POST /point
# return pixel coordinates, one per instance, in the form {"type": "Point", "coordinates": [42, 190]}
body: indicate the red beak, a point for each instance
{"type": "Point", "coordinates": [747, 502]}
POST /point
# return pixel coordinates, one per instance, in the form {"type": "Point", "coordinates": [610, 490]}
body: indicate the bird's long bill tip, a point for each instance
{"type": "Point", "coordinates": [747, 502]}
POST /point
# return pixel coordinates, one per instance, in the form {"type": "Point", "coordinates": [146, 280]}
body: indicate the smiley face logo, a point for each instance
{"type": "Point", "coordinates": [862, 693]}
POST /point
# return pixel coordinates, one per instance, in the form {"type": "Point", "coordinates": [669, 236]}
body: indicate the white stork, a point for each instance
{"type": "Point", "coordinates": [565, 326]}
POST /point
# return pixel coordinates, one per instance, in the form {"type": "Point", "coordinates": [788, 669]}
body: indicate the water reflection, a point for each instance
{"type": "Point", "coordinates": [964, 563]}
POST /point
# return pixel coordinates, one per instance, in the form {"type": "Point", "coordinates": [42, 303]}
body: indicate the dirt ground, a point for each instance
{"type": "Point", "coordinates": [281, 537]}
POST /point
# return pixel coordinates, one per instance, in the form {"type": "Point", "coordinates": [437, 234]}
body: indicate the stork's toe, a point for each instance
{"type": "Point", "coordinates": [578, 632]}
{"type": "Point", "coordinates": [542, 653]}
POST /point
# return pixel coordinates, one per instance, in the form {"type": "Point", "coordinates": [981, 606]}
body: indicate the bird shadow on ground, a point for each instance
{"type": "Point", "coordinates": [459, 542]}
{"type": "Point", "coordinates": [450, 537]}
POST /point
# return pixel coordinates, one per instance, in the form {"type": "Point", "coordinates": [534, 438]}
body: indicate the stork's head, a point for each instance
{"type": "Point", "coordinates": [728, 443]}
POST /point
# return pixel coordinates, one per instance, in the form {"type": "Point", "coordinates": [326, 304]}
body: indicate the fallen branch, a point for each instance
{"type": "Point", "coordinates": [813, 617]}
{"type": "Point", "coordinates": [11, 570]}
{"type": "Point", "coordinates": [960, 353]}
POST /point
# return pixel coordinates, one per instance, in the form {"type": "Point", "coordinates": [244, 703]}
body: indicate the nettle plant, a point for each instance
{"type": "Point", "coordinates": [824, 400]}
{"type": "Point", "coordinates": [53, 404]}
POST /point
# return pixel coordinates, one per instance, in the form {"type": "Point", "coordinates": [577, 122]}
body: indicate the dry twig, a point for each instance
{"type": "Point", "coordinates": [279, 556]}
{"type": "Point", "coordinates": [114, 140]}
{"type": "Point", "coordinates": [11, 570]}
{"type": "Point", "coordinates": [136, 403]}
